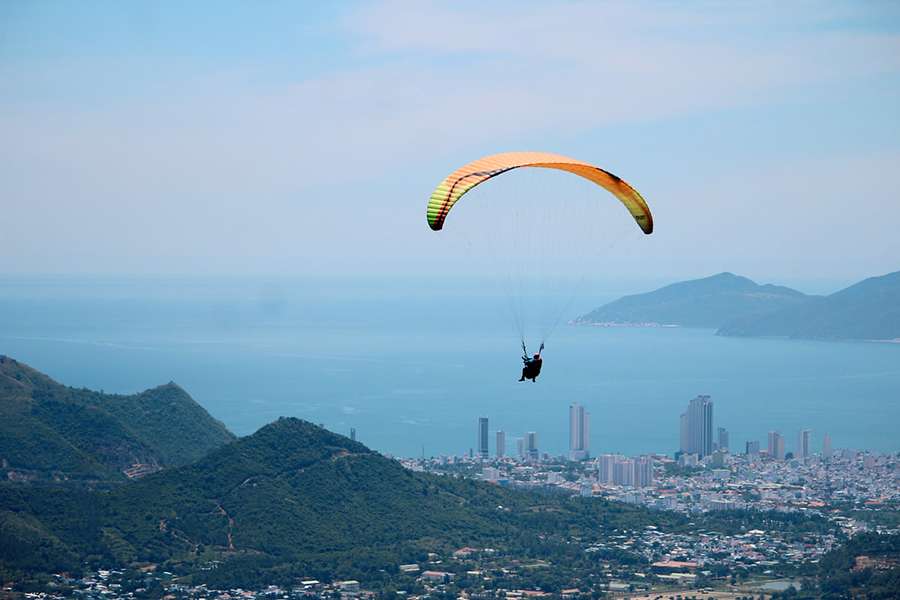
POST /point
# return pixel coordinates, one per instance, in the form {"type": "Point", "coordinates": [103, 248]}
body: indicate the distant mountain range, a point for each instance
{"type": "Point", "coordinates": [49, 431]}
{"type": "Point", "coordinates": [737, 306]}
{"type": "Point", "coordinates": [707, 302]}
{"type": "Point", "coordinates": [868, 310]}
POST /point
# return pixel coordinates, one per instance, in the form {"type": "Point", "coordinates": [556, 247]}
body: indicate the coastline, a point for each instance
{"type": "Point", "coordinates": [626, 324]}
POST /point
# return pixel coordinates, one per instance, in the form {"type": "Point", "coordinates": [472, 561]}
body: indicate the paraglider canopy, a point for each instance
{"type": "Point", "coordinates": [535, 288]}
{"type": "Point", "coordinates": [451, 189]}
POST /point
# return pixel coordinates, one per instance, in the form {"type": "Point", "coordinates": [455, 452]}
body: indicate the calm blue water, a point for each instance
{"type": "Point", "coordinates": [410, 365]}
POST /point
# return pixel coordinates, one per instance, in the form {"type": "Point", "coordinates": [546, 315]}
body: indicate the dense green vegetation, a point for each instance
{"type": "Point", "coordinates": [845, 572]}
{"type": "Point", "coordinates": [293, 499]}
{"type": "Point", "coordinates": [296, 500]}
{"type": "Point", "coordinates": [868, 310]}
{"type": "Point", "coordinates": [710, 302]}
{"type": "Point", "coordinates": [50, 431]}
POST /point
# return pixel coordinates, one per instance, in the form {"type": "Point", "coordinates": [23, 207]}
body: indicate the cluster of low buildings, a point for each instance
{"type": "Point", "coordinates": [862, 480]}
{"type": "Point", "coordinates": [673, 563]}
{"type": "Point", "coordinates": [841, 487]}
{"type": "Point", "coordinates": [694, 552]}
{"type": "Point", "coordinates": [105, 584]}
{"type": "Point", "coordinates": [865, 480]}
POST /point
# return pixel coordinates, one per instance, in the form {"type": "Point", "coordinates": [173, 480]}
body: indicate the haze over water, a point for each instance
{"type": "Point", "coordinates": [412, 367]}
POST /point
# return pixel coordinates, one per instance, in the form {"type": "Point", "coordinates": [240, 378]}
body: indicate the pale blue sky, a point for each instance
{"type": "Point", "coordinates": [289, 138]}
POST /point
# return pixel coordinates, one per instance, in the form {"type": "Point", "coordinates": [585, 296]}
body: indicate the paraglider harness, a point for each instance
{"type": "Point", "coordinates": [532, 367]}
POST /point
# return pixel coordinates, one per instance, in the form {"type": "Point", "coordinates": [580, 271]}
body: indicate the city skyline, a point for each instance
{"type": "Point", "coordinates": [696, 427]}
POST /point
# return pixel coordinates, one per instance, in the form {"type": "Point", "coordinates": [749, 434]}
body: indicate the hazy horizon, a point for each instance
{"type": "Point", "coordinates": [376, 359]}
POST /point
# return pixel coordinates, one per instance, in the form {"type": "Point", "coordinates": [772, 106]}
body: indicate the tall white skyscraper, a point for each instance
{"type": "Point", "coordinates": [579, 432]}
{"type": "Point", "coordinates": [826, 446]}
{"type": "Point", "coordinates": [643, 472]}
{"type": "Point", "coordinates": [605, 468]}
{"type": "Point", "coordinates": [483, 437]}
{"type": "Point", "coordinates": [776, 445]}
{"type": "Point", "coordinates": [531, 445]}
{"type": "Point", "coordinates": [803, 449]}
{"type": "Point", "coordinates": [520, 447]}
{"type": "Point", "coordinates": [696, 427]}
{"type": "Point", "coordinates": [501, 444]}
{"type": "Point", "coordinates": [623, 472]}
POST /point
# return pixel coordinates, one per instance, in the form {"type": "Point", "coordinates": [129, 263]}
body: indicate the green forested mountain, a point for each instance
{"type": "Point", "coordinates": [295, 500]}
{"type": "Point", "coordinates": [290, 500]}
{"type": "Point", "coordinates": [868, 310]}
{"type": "Point", "coordinates": [708, 302]}
{"type": "Point", "coordinates": [50, 431]}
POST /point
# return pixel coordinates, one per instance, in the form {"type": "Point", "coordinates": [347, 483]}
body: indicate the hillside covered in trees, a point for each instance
{"type": "Point", "coordinates": [49, 431]}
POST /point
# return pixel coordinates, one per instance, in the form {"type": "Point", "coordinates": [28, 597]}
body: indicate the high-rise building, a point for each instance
{"type": "Point", "coordinates": [803, 449]}
{"type": "Point", "coordinates": [623, 472]}
{"type": "Point", "coordinates": [643, 472]}
{"type": "Point", "coordinates": [826, 446]}
{"type": "Point", "coordinates": [501, 444]}
{"type": "Point", "coordinates": [776, 445]}
{"type": "Point", "coordinates": [751, 448]}
{"type": "Point", "coordinates": [353, 434]}
{"type": "Point", "coordinates": [531, 445]}
{"type": "Point", "coordinates": [696, 427]}
{"type": "Point", "coordinates": [579, 432]}
{"type": "Point", "coordinates": [520, 447]}
{"type": "Point", "coordinates": [723, 438]}
{"type": "Point", "coordinates": [483, 437]}
{"type": "Point", "coordinates": [605, 468]}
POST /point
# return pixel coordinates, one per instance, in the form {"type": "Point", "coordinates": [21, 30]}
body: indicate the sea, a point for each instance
{"type": "Point", "coordinates": [411, 365]}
